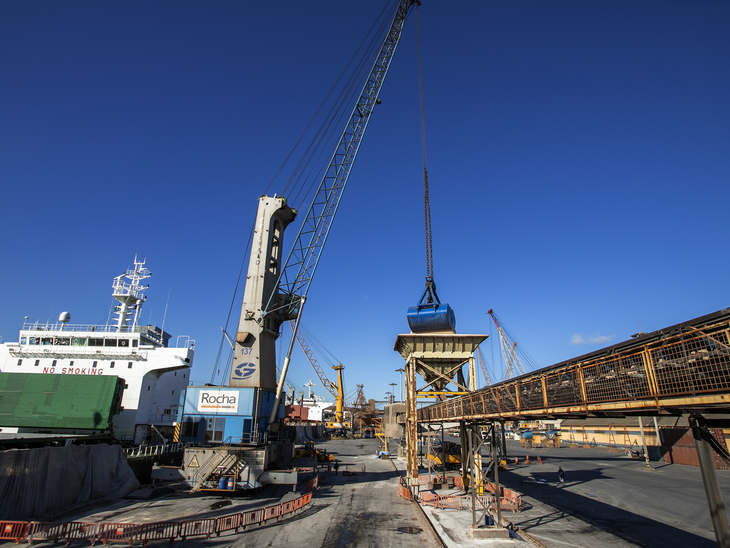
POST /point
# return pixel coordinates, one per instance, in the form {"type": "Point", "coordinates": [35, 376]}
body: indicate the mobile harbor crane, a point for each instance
{"type": "Point", "coordinates": [276, 294]}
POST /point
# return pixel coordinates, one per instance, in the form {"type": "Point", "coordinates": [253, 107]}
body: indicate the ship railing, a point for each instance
{"type": "Point", "coordinates": [152, 450]}
{"type": "Point", "coordinates": [63, 351]}
{"type": "Point", "coordinates": [162, 418]}
{"type": "Point", "coordinates": [71, 327]}
{"type": "Point", "coordinates": [187, 342]}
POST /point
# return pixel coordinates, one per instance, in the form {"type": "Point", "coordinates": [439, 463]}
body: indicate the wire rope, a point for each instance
{"type": "Point", "coordinates": [426, 199]}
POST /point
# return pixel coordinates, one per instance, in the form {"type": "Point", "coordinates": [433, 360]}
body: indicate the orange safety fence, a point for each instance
{"type": "Point", "coordinates": [509, 500]}
{"type": "Point", "coordinates": [404, 492]}
{"type": "Point", "coordinates": [252, 517]}
{"type": "Point", "coordinates": [77, 530]}
{"type": "Point", "coordinates": [484, 501]}
{"type": "Point", "coordinates": [271, 512]}
{"type": "Point", "coordinates": [163, 530]}
{"type": "Point", "coordinates": [227, 523]}
{"type": "Point", "coordinates": [13, 530]}
{"type": "Point", "coordinates": [129, 533]}
{"type": "Point", "coordinates": [451, 501]}
{"type": "Point", "coordinates": [313, 483]}
{"type": "Point", "coordinates": [428, 499]}
{"type": "Point", "coordinates": [196, 527]}
{"type": "Point", "coordinates": [40, 531]}
{"type": "Point", "coordinates": [119, 532]}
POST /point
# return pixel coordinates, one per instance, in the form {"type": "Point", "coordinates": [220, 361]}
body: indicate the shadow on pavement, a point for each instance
{"type": "Point", "coordinates": [628, 526]}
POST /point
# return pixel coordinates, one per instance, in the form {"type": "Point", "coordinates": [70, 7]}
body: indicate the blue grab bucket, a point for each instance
{"type": "Point", "coordinates": [430, 318]}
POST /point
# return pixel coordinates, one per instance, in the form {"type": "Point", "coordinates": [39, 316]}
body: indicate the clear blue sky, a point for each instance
{"type": "Point", "coordinates": [579, 160]}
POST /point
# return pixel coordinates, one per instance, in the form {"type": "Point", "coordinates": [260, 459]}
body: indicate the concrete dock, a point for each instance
{"type": "Point", "coordinates": [608, 500]}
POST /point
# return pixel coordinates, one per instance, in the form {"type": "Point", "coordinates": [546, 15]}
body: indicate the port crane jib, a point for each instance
{"type": "Point", "coordinates": [275, 294]}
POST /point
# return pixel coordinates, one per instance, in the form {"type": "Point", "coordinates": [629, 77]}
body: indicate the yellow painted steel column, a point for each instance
{"type": "Point", "coordinates": [650, 373]}
{"type": "Point", "coordinates": [411, 420]}
{"type": "Point", "coordinates": [583, 393]}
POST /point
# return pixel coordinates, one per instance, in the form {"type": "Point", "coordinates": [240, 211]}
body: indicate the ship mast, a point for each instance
{"type": "Point", "coordinates": [130, 295]}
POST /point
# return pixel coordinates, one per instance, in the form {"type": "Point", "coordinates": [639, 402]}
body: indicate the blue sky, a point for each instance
{"type": "Point", "coordinates": [578, 158]}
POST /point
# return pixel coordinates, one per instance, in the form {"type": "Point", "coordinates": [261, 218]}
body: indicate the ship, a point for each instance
{"type": "Point", "coordinates": [155, 373]}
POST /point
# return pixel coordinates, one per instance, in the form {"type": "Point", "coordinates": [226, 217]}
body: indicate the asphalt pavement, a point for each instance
{"type": "Point", "coordinates": [358, 506]}
{"type": "Point", "coordinates": [607, 500]}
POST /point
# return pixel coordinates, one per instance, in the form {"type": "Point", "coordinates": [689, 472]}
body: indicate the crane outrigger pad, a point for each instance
{"type": "Point", "coordinates": [430, 316]}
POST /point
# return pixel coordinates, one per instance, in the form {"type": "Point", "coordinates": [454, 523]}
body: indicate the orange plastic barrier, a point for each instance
{"type": "Point", "coordinates": [119, 532]}
{"type": "Point", "coordinates": [197, 527]}
{"type": "Point", "coordinates": [76, 530]}
{"type": "Point", "coordinates": [449, 501]}
{"type": "Point", "coordinates": [40, 531]}
{"type": "Point", "coordinates": [252, 517]}
{"type": "Point", "coordinates": [163, 530]}
{"type": "Point", "coordinates": [227, 523]}
{"type": "Point", "coordinates": [428, 499]}
{"type": "Point", "coordinates": [131, 532]}
{"type": "Point", "coordinates": [271, 512]}
{"type": "Point", "coordinates": [13, 530]}
{"type": "Point", "coordinates": [485, 501]}
{"type": "Point", "coordinates": [313, 483]}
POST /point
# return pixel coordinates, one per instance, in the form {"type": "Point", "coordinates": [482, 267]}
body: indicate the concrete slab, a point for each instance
{"type": "Point", "coordinates": [482, 532]}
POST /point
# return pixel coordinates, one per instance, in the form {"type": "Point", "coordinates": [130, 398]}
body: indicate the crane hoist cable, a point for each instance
{"type": "Point", "coordinates": [429, 315]}
{"type": "Point", "coordinates": [426, 201]}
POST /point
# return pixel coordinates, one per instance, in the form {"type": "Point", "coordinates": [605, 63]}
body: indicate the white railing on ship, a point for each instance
{"type": "Point", "coordinates": [71, 351]}
{"type": "Point", "coordinates": [70, 328]}
{"type": "Point", "coordinates": [152, 450]}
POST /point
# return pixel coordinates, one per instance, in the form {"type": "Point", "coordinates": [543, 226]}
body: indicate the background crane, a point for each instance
{"type": "Point", "coordinates": [485, 369]}
{"type": "Point", "coordinates": [513, 357]}
{"type": "Point", "coordinates": [338, 389]}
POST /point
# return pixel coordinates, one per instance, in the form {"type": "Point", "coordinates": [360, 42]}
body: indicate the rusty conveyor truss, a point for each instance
{"type": "Point", "coordinates": [683, 368]}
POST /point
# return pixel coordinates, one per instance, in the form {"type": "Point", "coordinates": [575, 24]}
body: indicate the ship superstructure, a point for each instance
{"type": "Point", "coordinates": [154, 372]}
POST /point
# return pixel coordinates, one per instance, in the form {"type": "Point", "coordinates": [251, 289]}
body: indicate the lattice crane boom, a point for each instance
{"type": "Point", "coordinates": [286, 301]}
{"type": "Point", "coordinates": [483, 365]}
{"type": "Point", "coordinates": [301, 263]}
{"type": "Point", "coordinates": [509, 351]}
{"type": "Point", "coordinates": [328, 384]}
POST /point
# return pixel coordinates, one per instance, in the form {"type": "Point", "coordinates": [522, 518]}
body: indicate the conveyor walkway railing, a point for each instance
{"type": "Point", "coordinates": [684, 368]}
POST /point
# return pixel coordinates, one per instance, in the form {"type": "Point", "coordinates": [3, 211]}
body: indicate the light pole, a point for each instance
{"type": "Point", "coordinates": [392, 396]}
{"type": "Point", "coordinates": [401, 370]}
{"type": "Point", "coordinates": [388, 397]}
